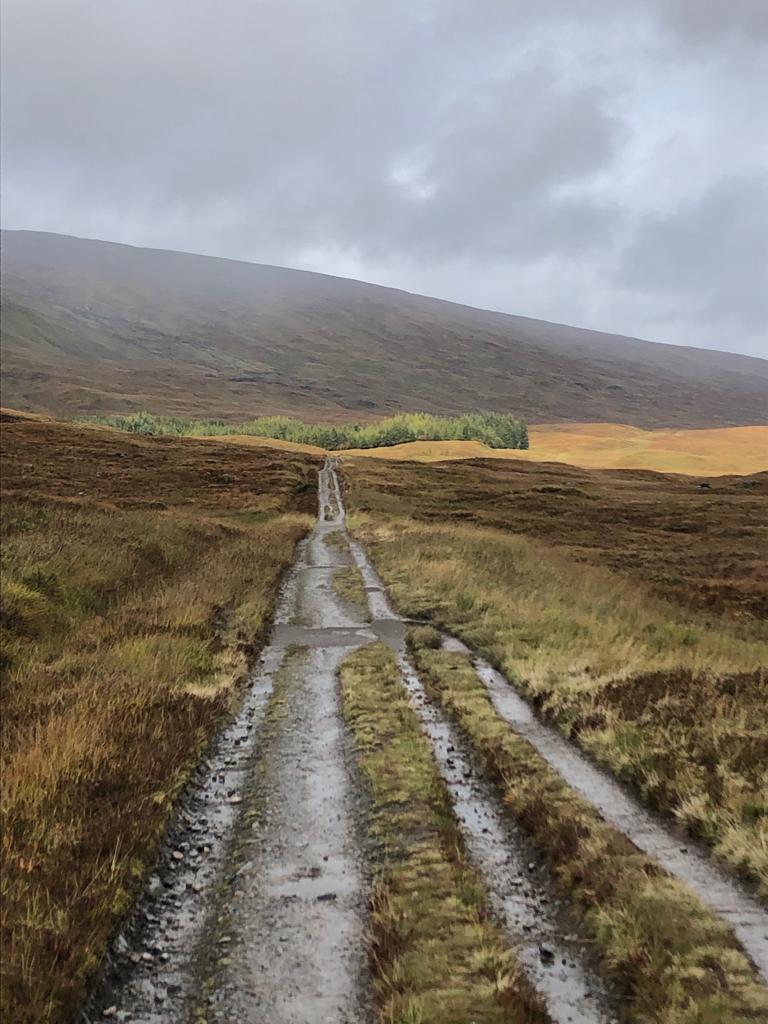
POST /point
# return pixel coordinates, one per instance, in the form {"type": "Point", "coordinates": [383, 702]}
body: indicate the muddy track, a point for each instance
{"type": "Point", "coordinates": [257, 911]}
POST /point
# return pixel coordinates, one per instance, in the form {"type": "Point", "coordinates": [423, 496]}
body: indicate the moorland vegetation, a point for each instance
{"type": "Point", "coordinates": [628, 607]}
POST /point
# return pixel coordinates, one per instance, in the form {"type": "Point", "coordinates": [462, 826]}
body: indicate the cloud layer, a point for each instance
{"type": "Point", "coordinates": [589, 162]}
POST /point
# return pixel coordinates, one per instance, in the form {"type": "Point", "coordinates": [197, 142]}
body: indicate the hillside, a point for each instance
{"type": "Point", "coordinates": [92, 327]}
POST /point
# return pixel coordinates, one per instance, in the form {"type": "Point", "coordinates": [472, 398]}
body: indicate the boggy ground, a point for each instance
{"type": "Point", "coordinates": [584, 594]}
{"type": "Point", "coordinates": [698, 542]}
{"type": "Point", "coordinates": [138, 580]}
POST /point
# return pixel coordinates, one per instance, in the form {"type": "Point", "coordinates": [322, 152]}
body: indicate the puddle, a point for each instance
{"type": "Point", "coordinates": [298, 918]}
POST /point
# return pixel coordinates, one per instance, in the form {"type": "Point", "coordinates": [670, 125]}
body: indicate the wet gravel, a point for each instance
{"type": "Point", "coordinates": [152, 967]}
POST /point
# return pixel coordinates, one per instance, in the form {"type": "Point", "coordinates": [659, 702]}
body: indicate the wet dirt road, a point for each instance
{"type": "Point", "coordinates": [257, 912]}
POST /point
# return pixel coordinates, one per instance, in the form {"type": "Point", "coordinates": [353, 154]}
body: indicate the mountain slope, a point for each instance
{"type": "Point", "coordinates": [92, 326]}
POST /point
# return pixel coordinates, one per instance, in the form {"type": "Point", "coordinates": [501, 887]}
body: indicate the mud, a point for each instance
{"type": "Point", "coordinates": [677, 855]}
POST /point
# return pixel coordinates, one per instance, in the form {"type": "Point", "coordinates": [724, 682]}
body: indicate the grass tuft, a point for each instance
{"type": "Point", "coordinates": [348, 584]}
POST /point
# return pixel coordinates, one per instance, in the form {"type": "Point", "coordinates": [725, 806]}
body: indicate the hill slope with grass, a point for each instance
{"type": "Point", "coordinates": [93, 327]}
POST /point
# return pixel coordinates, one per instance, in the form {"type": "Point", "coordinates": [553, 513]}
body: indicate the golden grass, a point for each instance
{"type": "Point", "coordinates": [436, 955]}
{"type": "Point", "coordinates": [348, 584]}
{"type": "Point", "coordinates": [677, 962]}
{"type": "Point", "coordinates": [668, 700]}
{"type": "Point", "coordinates": [714, 452]}
{"type": "Point", "coordinates": [717, 452]}
{"type": "Point", "coordinates": [128, 623]}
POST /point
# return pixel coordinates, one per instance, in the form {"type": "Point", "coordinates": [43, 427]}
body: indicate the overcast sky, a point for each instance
{"type": "Point", "coordinates": [595, 162]}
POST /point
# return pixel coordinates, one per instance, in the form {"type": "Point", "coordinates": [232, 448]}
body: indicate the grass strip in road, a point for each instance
{"type": "Point", "coordinates": [349, 586]}
{"type": "Point", "coordinates": [338, 539]}
{"type": "Point", "coordinates": [677, 962]}
{"type": "Point", "coordinates": [435, 955]}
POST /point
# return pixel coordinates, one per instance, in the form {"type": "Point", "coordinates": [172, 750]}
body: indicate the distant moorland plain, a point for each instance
{"type": "Point", "coordinates": [718, 452]}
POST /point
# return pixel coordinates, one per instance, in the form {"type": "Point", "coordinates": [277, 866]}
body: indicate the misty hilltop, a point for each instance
{"type": "Point", "coordinates": [93, 327]}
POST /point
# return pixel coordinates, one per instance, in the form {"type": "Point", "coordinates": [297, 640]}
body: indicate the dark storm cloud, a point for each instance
{"type": "Point", "coordinates": [701, 19]}
{"type": "Point", "coordinates": [545, 159]}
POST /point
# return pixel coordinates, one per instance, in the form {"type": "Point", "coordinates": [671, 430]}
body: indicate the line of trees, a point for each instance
{"type": "Point", "coordinates": [497, 430]}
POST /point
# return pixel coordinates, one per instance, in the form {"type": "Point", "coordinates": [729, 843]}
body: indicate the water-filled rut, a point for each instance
{"type": "Point", "coordinates": [555, 956]}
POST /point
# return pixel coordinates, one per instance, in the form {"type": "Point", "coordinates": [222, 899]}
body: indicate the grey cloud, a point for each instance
{"type": "Point", "coordinates": [500, 138]}
{"type": "Point", "coordinates": [711, 19]}
{"type": "Point", "coordinates": [711, 256]}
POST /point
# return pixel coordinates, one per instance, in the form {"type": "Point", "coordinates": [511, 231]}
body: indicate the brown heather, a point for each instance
{"type": "Point", "coordinates": [623, 654]}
